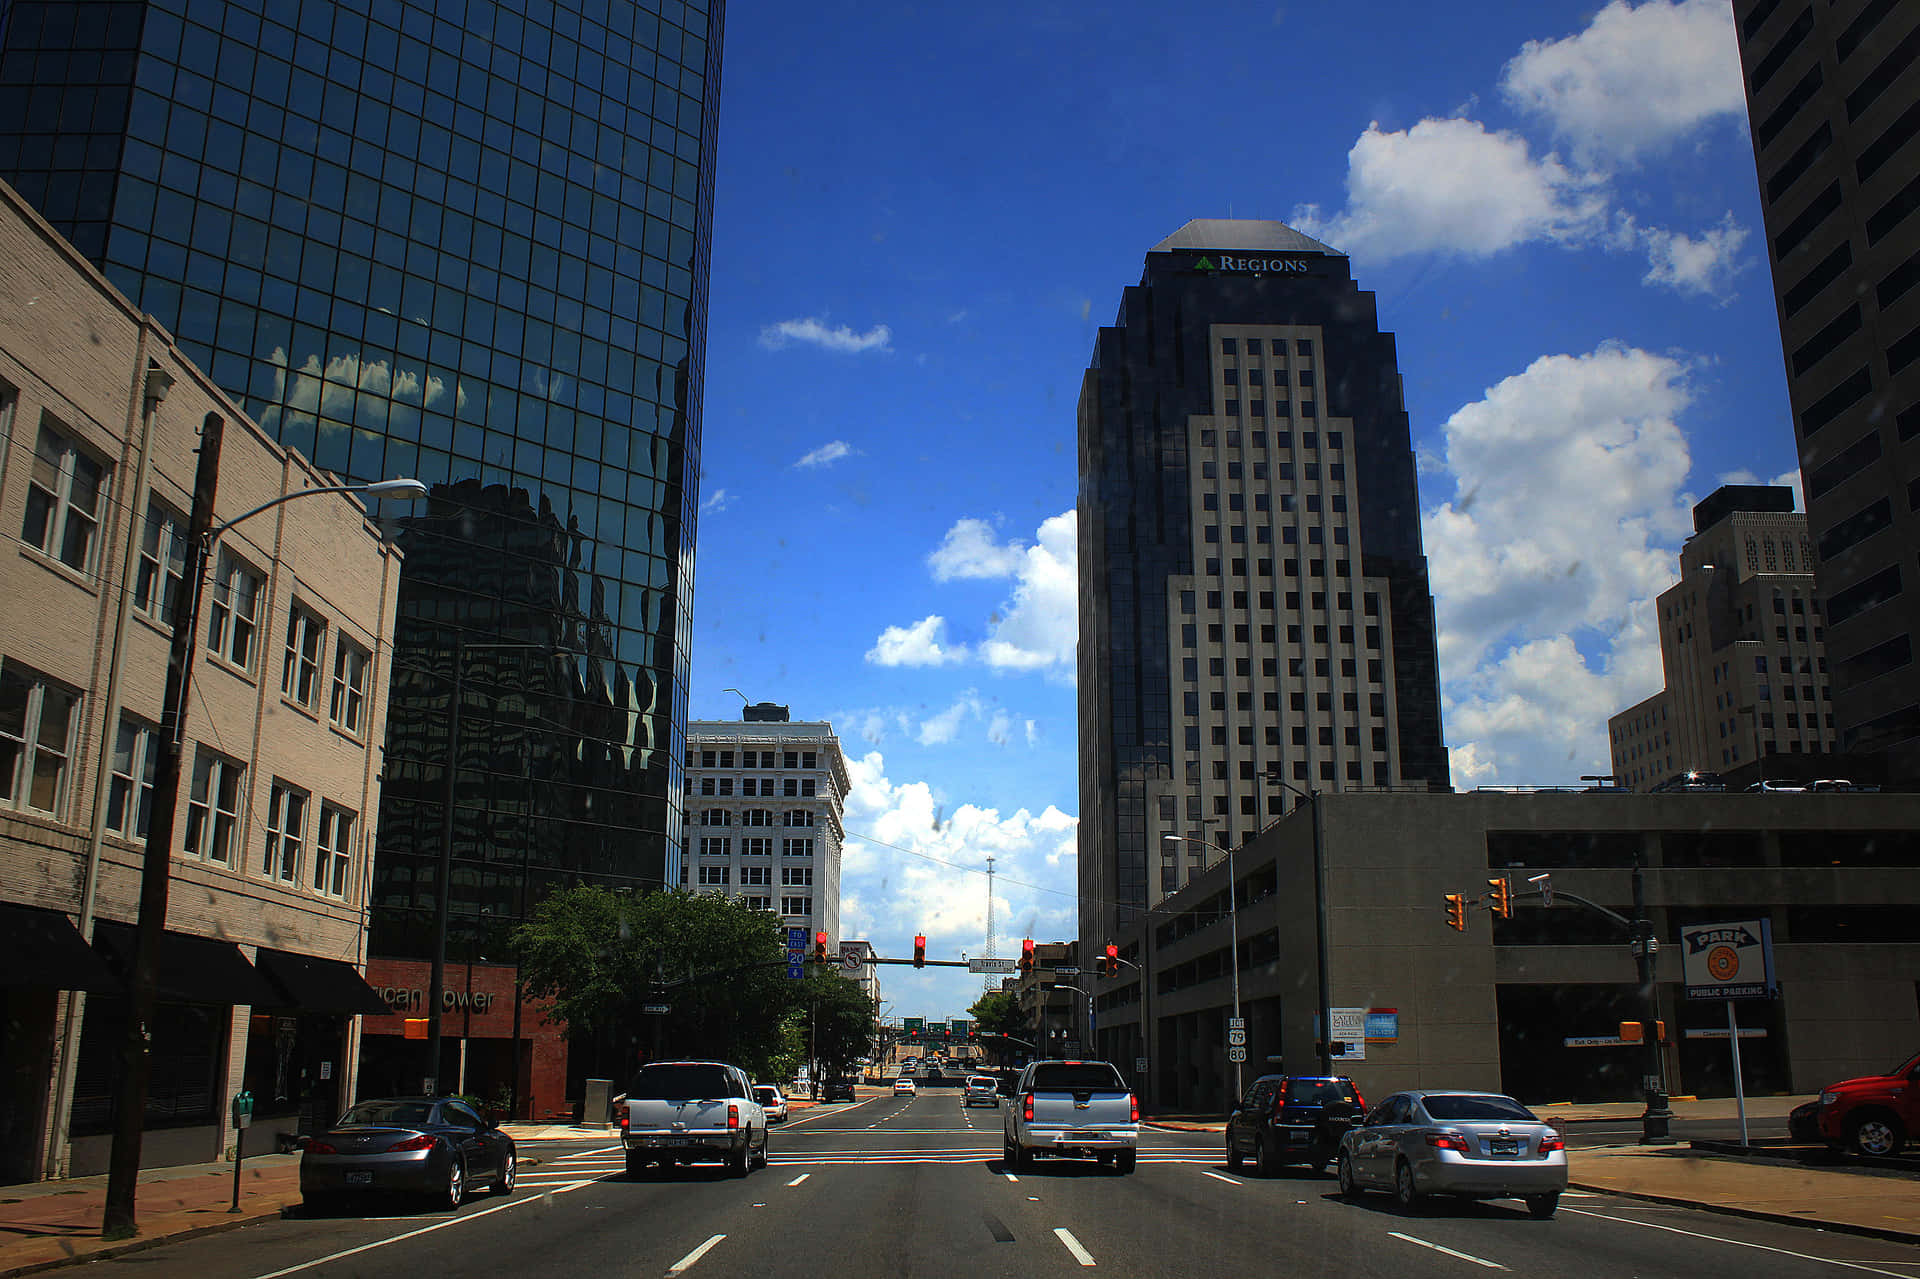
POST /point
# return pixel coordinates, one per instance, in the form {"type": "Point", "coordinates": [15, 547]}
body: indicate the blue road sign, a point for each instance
{"type": "Point", "coordinates": [796, 939]}
{"type": "Point", "coordinates": [796, 971]}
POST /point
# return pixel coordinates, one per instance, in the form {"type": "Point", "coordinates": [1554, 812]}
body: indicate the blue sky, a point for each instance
{"type": "Point", "coordinates": [923, 215]}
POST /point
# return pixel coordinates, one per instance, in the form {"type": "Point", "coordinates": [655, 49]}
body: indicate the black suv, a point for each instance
{"type": "Point", "coordinates": [1292, 1119]}
{"type": "Point", "coordinates": [838, 1090]}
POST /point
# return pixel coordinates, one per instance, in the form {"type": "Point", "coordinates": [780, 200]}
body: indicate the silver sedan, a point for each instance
{"type": "Point", "coordinates": [1474, 1145]}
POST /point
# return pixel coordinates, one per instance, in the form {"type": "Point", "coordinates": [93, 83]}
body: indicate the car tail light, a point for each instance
{"type": "Point", "coordinates": [1550, 1143]}
{"type": "Point", "coordinates": [424, 1141]}
{"type": "Point", "coordinates": [733, 1115]}
{"type": "Point", "coordinates": [1447, 1141]}
{"type": "Point", "coordinates": [322, 1148]}
{"type": "Point", "coordinates": [1026, 1107]}
{"type": "Point", "coordinates": [1360, 1103]}
{"type": "Point", "coordinates": [1133, 1103]}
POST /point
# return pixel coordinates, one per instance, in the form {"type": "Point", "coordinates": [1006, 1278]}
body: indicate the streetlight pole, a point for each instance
{"type": "Point", "coordinates": [117, 1219]}
{"type": "Point", "coordinates": [1233, 920]}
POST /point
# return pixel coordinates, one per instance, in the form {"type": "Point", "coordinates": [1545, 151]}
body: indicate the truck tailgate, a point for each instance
{"type": "Point", "coordinates": [1082, 1109]}
{"type": "Point", "coordinates": [673, 1115]}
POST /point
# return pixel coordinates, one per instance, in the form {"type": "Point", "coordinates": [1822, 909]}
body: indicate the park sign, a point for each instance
{"type": "Point", "coordinates": [1729, 961]}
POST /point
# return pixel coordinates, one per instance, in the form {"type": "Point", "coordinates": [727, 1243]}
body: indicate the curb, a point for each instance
{"type": "Point", "coordinates": [1837, 1162]}
{"type": "Point", "coordinates": [1753, 1214]}
{"type": "Point", "coordinates": [144, 1242]}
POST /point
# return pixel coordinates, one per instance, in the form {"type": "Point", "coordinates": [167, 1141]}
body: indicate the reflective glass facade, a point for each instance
{"type": "Point", "coordinates": [461, 241]}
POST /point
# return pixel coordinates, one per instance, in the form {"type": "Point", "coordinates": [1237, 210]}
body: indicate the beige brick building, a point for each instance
{"type": "Point", "coordinates": [100, 420]}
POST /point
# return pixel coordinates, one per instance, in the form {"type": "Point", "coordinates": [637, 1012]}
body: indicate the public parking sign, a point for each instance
{"type": "Point", "coordinates": [1729, 961]}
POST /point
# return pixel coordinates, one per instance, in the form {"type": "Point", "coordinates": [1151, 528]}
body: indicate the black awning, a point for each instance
{"type": "Point", "coordinates": [42, 948]}
{"type": "Point", "coordinates": [315, 985]}
{"type": "Point", "coordinates": [192, 970]}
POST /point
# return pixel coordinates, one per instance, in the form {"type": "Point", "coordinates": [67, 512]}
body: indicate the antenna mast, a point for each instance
{"type": "Point", "coordinates": [993, 980]}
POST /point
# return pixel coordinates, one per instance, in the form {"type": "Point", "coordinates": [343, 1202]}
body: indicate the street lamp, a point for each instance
{"type": "Point", "coordinates": [1089, 994]}
{"type": "Point", "coordinates": [1233, 919]}
{"type": "Point", "coordinates": [1325, 1040]}
{"type": "Point", "coordinates": [150, 918]}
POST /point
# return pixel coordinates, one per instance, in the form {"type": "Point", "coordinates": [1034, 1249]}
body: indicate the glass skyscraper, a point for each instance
{"type": "Point", "coordinates": [462, 241]}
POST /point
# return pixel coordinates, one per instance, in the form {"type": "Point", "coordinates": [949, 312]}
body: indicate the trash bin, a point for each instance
{"type": "Point", "coordinates": [598, 1111]}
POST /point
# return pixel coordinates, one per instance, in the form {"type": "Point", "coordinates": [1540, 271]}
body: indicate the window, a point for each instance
{"type": "Point", "coordinates": [799, 817]}
{"type": "Point", "coordinates": [36, 741]}
{"type": "Point", "coordinates": [758, 903]}
{"type": "Point", "coordinates": [716, 817]}
{"type": "Point", "coordinates": [756, 876]}
{"type": "Point", "coordinates": [806, 788]}
{"type": "Point", "coordinates": [714, 876]}
{"type": "Point", "coordinates": [796, 905]}
{"type": "Point", "coordinates": [756, 846]}
{"type": "Point", "coordinates": [213, 810]}
{"type": "Point", "coordinates": [796, 876]}
{"type": "Point", "coordinates": [796, 848]}
{"type": "Point", "coordinates": [286, 825]}
{"type": "Point", "coordinates": [65, 491]}
{"type": "Point", "coordinates": [350, 687]}
{"type": "Point", "coordinates": [300, 676]}
{"type": "Point", "coordinates": [233, 618]}
{"type": "Point", "coordinates": [714, 845]}
{"type": "Point", "coordinates": [130, 789]}
{"type": "Point", "coordinates": [163, 562]}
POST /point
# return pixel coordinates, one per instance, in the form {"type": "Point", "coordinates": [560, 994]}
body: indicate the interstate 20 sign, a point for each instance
{"type": "Point", "coordinates": [1729, 961]}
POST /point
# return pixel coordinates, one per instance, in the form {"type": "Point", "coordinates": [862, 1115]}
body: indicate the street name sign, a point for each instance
{"type": "Point", "coordinates": [993, 966]}
{"type": "Point", "coordinates": [1065, 970]}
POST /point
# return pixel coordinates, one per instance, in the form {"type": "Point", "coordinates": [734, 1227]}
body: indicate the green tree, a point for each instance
{"type": "Point", "coordinates": [998, 1013]}
{"type": "Point", "coordinates": [837, 1017]}
{"type": "Point", "coordinates": [600, 956]}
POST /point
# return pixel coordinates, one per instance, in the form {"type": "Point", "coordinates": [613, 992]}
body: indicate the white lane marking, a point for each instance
{"type": "Point", "coordinates": [1009, 1176]}
{"type": "Point", "coordinates": [802, 1177]}
{"type": "Point", "coordinates": [693, 1256]}
{"type": "Point", "coordinates": [828, 1114]}
{"type": "Point", "coordinates": [588, 1154]}
{"type": "Point", "coordinates": [1738, 1243]}
{"type": "Point", "coordinates": [412, 1234]}
{"type": "Point", "coordinates": [1463, 1256]}
{"type": "Point", "coordinates": [1231, 1181]}
{"type": "Point", "coordinates": [1080, 1254]}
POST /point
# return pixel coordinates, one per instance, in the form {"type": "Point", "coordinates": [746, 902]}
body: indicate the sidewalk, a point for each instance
{"type": "Point", "coordinates": [53, 1223]}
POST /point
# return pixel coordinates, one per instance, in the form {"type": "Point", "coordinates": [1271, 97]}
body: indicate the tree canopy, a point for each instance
{"type": "Point", "coordinates": [998, 1013]}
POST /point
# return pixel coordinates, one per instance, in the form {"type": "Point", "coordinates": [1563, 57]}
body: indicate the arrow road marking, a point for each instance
{"type": "Point", "coordinates": [1463, 1256]}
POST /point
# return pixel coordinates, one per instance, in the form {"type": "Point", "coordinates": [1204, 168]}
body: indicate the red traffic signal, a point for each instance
{"type": "Point", "coordinates": [1110, 962]}
{"type": "Point", "coordinates": [1026, 956]}
{"type": "Point", "coordinates": [820, 947]}
{"type": "Point", "coordinates": [920, 951]}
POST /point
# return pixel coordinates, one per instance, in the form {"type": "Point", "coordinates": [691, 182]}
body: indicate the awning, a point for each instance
{"type": "Point", "coordinates": [42, 948]}
{"type": "Point", "coordinates": [192, 970]}
{"type": "Point", "coordinates": [315, 985]}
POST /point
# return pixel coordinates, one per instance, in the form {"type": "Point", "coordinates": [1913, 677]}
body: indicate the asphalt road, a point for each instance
{"type": "Point", "coordinates": [907, 1187]}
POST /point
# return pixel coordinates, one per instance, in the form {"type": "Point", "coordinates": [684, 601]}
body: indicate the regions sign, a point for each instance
{"type": "Point", "coordinates": [1217, 262]}
{"type": "Point", "coordinates": [1729, 961]}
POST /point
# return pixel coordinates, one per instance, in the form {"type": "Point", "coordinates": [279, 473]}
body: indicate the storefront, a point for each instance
{"type": "Point", "coordinates": [495, 1047]}
{"type": "Point", "coordinates": [41, 956]}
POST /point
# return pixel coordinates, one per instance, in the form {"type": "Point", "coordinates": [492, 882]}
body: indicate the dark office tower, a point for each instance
{"type": "Point", "coordinates": [464, 241]}
{"type": "Point", "coordinates": [1833, 92]}
{"type": "Point", "coordinates": [1253, 593]}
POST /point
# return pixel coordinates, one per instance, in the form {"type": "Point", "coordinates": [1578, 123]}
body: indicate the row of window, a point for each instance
{"type": "Point", "coordinates": [1210, 470]}
{"type": "Point", "coordinates": [756, 876]}
{"type": "Point", "coordinates": [1340, 570]}
{"type": "Point", "coordinates": [307, 844]}
{"type": "Point", "coordinates": [754, 846]}
{"type": "Point", "coordinates": [1243, 701]}
{"type": "Point", "coordinates": [790, 787]}
{"type": "Point", "coordinates": [1253, 346]}
{"type": "Point", "coordinates": [753, 759]}
{"type": "Point", "coordinates": [67, 490]}
{"type": "Point", "coordinates": [756, 817]}
{"type": "Point", "coordinates": [1281, 408]}
{"type": "Point", "coordinates": [1263, 501]}
{"type": "Point", "coordinates": [1256, 377]}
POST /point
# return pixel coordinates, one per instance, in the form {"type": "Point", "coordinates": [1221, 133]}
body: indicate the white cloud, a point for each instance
{"type": "Point", "coordinates": [1704, 266]}
{"type": "Point", "coordinates": [922, 644]}
{"type": "Point", "coordinates": [814, 332]}
{"type": "Point", "coordinates": [1000, 728]}
{"type": "Point", "coordinates": [969, 717]}
{"type": "Point", "coordinates": [969, 550]}
{"type": "Point", "coordinates": [937, 730]}
{"type": "Point", "coordinates": [718, 500]}
{"type": "Point", "coordinates": [888, 895]}
{"type": "Point", "coordinates": [1635, 81]}
{"type": "Point", "coordinates": [1565, 523]}
{"type": "Point", "coordinates": [1451, 186]}
{"type": "Point", "coordinates": [827, 454]}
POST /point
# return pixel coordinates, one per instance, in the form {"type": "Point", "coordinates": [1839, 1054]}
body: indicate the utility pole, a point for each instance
{"type": "Point", "coordinates": [123, 1168]}
{"type": "Point", "coordinates": [1654, 1124]}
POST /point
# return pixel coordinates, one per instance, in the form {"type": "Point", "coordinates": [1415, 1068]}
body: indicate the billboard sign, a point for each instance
{"type": "Point", "coordinates": [1729, 961]}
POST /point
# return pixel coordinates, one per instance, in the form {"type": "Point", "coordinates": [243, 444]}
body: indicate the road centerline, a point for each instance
{"type": "Point", "coordinates": [1080, 1254]}
{"type": "Point", "coordinates": [802, 1177]}
{"type": "Point", "coordinates": [1231, 1181]}
{"type": "Point", "coordinates": [687, 1261]}
{"type": "Point", "coordinates": [1463, 1256]}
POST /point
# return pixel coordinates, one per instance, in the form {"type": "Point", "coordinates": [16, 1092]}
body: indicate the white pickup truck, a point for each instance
{"type": "Point", "coordinates": [687, 1111]}
{"type": "Point", "coordinates": [1080, 1109]}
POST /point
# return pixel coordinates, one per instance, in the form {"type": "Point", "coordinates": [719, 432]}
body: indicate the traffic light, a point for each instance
{"type": "Point", "coordinates": [920, 951]}
{"type": "Point", "coordinates": [1026, 957]}
{"type": "Point", "coordinates": [820, 947]}
{"type": "Point", "coordinates": [1502, 898]}
{"type": "Point", "coordinates": [1110, 962]}
{"type": "Point", "coordinates": [1457, 911]}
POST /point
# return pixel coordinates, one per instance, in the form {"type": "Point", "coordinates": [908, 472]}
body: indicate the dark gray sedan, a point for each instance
{"type": "Point", "coordinates": [431, 1146]}
{"type": "Point", "coordinates": [1474, 1145]}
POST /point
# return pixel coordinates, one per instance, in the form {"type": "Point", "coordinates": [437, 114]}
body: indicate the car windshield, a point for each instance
{"type": "Point", "coordinates": [1319, 1092]}
{"type": "Point", "coordinates": [398, 1114]}
{"type": "Point", "coordinates": [679, 1082]}
{"type": "Point", "coordinates": [764, 1094]}
{"type": "Point", "coordinates": [1075, 1075]}
{"type": "Point", "coordinates": [1464, 1106]}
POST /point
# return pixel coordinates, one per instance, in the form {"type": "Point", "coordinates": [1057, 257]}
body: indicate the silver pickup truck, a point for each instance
{"type": "Point", "coordinates": [683, 1111]}
{"type": "Point", "coordinates": [1078, 1109]}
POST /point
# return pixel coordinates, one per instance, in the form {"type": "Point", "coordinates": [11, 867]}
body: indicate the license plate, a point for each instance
{"type": "Point", "coordinates": [359, 1179]}
{"type": "Point", "coordinates": [1081, 1136]}
{"type": "Point", "coordinates": [1497, 1147]}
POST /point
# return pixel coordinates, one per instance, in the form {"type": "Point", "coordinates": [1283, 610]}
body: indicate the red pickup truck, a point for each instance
{"type": "Point", "coordinates": [1875, 1114]}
